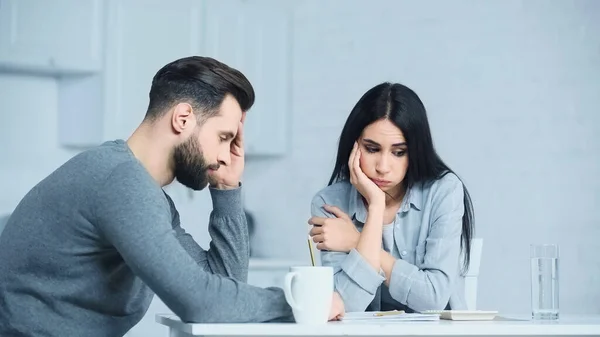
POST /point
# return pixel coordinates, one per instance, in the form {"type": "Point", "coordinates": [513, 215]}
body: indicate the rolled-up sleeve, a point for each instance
{"type": "Point", "coordinates": [430, 287]}
{"type": "Point", "coordinates": [354, 278]}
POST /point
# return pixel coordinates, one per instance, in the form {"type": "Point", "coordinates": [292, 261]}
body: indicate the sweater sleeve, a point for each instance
{"type": "Point", "coordinates": [229, 251]}
{"type": "Point", "coordinates": [133, 215]}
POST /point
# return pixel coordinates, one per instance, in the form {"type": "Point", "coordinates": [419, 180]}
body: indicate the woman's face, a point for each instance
{"type": "Point", "coordinates": [384, 156]}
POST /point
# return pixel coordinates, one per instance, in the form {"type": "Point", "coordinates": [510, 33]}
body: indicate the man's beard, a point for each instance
{"type": "Point", "coordinates": [191, 168]}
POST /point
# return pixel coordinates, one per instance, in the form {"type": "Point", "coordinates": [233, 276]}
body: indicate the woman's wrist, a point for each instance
{"type": "Point", "coordinates": [376, 206]}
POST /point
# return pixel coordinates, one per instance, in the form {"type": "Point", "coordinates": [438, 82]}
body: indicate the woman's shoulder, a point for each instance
{"type": "Point", "coordinates": [335, 194]}
{"type": "Point", "coordinates": [447, 186]}
{"type": "Point", "coordinates": [449, 181]}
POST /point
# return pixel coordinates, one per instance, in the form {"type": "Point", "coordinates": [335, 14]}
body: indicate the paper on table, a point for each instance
{"type": "Point", "coordinates": [373, 316]}
{"type": "Point", "coordinates": [464, 315]}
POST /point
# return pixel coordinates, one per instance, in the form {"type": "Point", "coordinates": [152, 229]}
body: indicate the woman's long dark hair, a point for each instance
{"type": "Point", "coordinates": [402, 106]}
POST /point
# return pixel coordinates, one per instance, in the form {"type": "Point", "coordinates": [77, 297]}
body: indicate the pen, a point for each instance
{"type": "Point", "coordinates": [388, 313]}
{"type": "Point", "coordinates": [312, 255]}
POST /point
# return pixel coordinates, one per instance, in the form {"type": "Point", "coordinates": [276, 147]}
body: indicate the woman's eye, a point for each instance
{"type": "Point", "coordinates": [399, 153]}
{"type": "Point", "coordinates": [371, 149]}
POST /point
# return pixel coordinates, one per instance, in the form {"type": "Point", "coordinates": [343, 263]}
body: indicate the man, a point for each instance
{"type": "Point", "coordinates": [87, 247]}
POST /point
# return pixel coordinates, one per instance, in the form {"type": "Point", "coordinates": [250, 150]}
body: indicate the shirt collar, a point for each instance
{"type": "Point", "coordinates": [414, 198]}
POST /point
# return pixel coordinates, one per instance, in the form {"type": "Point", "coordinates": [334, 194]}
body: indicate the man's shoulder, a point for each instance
{"type": "Point", "coordinates": [107, 155]}
{"type": "Point", "coordinates": [87, 168]}
{"type": "Point", "coordinates": [104, 157]}
{"type": "Point", "coordinates": [105, 166]}
{"type": "Point", "coordinates": [125, 186]}
{"type": "Point", "coordinates": [117, 166]}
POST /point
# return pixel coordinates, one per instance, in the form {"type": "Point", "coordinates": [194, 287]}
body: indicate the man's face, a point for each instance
{"type": "Point", "coordinates": [208, 146]}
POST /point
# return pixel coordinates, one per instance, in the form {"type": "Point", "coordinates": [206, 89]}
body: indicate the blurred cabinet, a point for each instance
{"type": "Point", "coordinates": [255, 38]}
{"type": "Point", "coordinates": [142, 37]}
{"type": "Point", "coordinates": [52, 37]}
{"type": "Point", "coordinates": [104, 54]}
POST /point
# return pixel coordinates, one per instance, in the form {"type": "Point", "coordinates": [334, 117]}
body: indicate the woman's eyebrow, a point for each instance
{"type": "Point", "coordinates": [371, 142]}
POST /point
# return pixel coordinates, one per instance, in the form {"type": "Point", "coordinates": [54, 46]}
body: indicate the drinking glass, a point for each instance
{"type": "Point", "coordinates": [544, 282]}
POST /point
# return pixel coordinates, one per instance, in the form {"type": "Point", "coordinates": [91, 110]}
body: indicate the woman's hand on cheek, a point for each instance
{"type": "Point", "coordinates": [335, 234]}
{"type": "Point", "coordinates": [365, 186]}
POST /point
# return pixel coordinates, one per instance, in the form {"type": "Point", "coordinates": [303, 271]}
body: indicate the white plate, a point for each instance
{"type": "Point", "coordinates": [464, 315]}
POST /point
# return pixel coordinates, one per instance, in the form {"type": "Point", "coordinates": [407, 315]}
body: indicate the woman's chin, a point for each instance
{"type": "Point", "coordinates": [391, 190]}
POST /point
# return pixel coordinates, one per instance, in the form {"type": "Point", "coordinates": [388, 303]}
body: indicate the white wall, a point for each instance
{"type": "Point", "coordinates": [512, 89]}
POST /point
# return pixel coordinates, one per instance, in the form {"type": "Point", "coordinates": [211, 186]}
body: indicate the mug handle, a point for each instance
{"type": "Point", "coordinates": [287, 290]}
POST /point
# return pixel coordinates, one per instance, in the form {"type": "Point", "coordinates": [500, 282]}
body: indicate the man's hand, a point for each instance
{"type": "Point", "coordinates": [336, 234]}
{"type": "Point", "coordinates": [337, 308]}
{"type": "Point", "coordinates": [229, 176]}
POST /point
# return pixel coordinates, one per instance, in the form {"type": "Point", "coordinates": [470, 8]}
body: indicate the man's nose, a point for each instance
{"type": "Point", "coordinates": [224, 158]}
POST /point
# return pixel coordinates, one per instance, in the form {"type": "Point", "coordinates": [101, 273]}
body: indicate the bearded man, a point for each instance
{"type": "Point", "coordinates": [88, 247]}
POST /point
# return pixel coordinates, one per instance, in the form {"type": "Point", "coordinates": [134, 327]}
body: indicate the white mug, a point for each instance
{"type": "Point", "coordinates": [309, 291]}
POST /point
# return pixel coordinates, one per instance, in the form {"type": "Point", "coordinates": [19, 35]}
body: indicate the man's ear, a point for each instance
{"type": "Point", "coordinates": [182, 117]}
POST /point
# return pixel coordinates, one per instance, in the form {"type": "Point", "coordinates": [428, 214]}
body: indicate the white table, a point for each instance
{"type": "Point", "coordinates": [502, 326]}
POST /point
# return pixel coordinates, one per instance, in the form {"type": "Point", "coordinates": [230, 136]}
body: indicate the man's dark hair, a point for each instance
{"type": "Point", "coordinates": [203, 82]}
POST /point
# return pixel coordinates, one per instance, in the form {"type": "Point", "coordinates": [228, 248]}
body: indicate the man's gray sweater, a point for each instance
{"type": "Point", "coordinates": [87, 248]}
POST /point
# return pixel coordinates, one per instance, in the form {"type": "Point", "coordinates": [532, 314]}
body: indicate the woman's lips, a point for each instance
{"type": "Point", "coordinates": [381, 182]}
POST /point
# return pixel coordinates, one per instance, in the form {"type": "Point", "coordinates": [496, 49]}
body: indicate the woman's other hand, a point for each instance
{"type": "Point", "coordinates": [335, 234]}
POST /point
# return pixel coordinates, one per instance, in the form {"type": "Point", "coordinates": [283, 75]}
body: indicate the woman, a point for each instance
{"type": "Point", "coordinates": [395, 222]}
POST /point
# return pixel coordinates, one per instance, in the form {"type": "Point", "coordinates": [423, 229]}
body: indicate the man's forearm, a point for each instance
{"type": "Point", "coordinates": [202, 296]}
{"type": "Point", "coordinates": [229, 251]}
